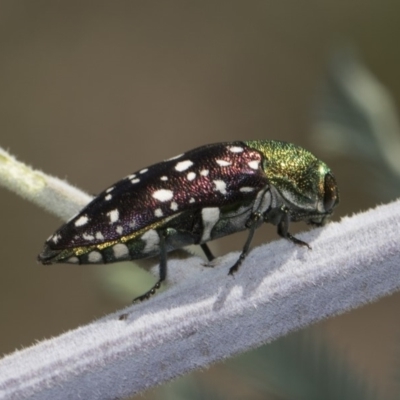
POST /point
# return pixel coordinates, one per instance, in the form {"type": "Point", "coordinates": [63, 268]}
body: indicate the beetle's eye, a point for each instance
{"type": "Point", "coordinates": [331, 194]}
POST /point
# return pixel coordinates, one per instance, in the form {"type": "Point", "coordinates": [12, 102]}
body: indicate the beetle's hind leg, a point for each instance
{"type": "Point", "coordinates": [210, 256]}
{"type": "Point", "coordinates": [208, 253]}
{"type": "Point", "coordinates": [252, 224]}
{"type": "Point", "coordinates": [162, 270]}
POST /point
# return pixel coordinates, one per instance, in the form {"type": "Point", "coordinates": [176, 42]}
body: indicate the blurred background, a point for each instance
{"type": "Point", "coordinates": [92, 91]}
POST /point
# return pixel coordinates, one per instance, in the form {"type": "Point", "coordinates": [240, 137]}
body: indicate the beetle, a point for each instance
{"type": "Point", "coordinates": [193, 198]}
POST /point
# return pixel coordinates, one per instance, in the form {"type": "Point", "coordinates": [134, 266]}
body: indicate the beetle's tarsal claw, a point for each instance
{"type": "Point", "coordinates": [148, 294]}
{"type": "Point", "coordinates": [123, 317]}
{"type": "Point", "coordinates": [296, 241]}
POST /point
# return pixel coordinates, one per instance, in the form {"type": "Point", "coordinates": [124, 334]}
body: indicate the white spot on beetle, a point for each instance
{"type": "Point", "coordinates": [81, 220]}
{"type": "Point", "coordinates": [99, 236]}
{"type": "Point", "coordinates": [151, 240]}
{"type": "Point", "coordinates": [119, 229]}
{"type": "Point", "coordinates": [113, 215]}
{"type": "Point", "coordinates": [133, 176]}
{"type": "Point", "coordinates": [204, 172]}
{"type": "Point", "coordinates": [254, 164]}
{"type": "Point", "coordinates": [108, 197]}
{"type": "Point", "coordinates": [72, 260]}
{"type": "Point", "coordinates": [174, 205]}
{"type": "Point", "coordinates": [120, 251]}
{"type": "Point", "coordinates": [210, 217]}
{"type": "Point", "coordinates": [87, 236]}
{"type": "Point", "coordinates": [192, 200]}
{"type": "Point", "coordinates": [190, 176]}
{"type": "Point", "coordinates": [94, 257]}
{"type": "Point", "coordinates": [143, 171]}
{"type": "Point", "coordinates": [135, 180]}
{"type": "Point", "coordinates": [183, 165]}
{"type": "Point", "coordinates": [132, 224]}
{"type": "Point", "coordinates": [158, 212]}
{"type": "Point", "coordinates": [246, 189]}
{"type": "Point", "coordinates": [176, 157]}
{"type": "Point", "coordinates": [55, 238]}
{"type": "Point", "coordinates": [220, 186]}
{"type": "Point", "coordinates": [164, 178]}
{"type": "Point", "coordinates": [110, 189]}
{"type": "Point", "coordinates": [163, 194]}
{"type": "Point", "coordinates": [223, 163]}
{"type": "Point", "coordinates": [235, 149]}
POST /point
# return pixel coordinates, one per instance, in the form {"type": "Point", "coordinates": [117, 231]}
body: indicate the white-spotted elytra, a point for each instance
{"type": "Point", "coordinates": [204, 194]}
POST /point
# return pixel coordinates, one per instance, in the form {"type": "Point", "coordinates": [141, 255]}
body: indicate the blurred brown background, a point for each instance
{"type": "Point", "coordinates": [92, 91]}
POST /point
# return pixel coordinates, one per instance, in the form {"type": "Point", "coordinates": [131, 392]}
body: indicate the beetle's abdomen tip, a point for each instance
{"type": "Point", "coordinates": [47, 256]}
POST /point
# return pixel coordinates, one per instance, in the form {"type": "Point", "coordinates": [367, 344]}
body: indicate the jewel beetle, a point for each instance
{"type": "Point", "coordinates": [193, 198]}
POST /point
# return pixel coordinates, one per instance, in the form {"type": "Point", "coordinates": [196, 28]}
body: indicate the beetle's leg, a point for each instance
{"type": "Point", "coordinates": [252, 225]}
{"type": "Point", "coordinates": [207, 252]}
{"type": "Point", "coordinates": [283, 227]}
{"type": "Point", "coordinates": [162, 267]}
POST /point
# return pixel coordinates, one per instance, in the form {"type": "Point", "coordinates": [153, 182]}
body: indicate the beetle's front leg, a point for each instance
{"type": "Point", "coordinates": [281, 217]}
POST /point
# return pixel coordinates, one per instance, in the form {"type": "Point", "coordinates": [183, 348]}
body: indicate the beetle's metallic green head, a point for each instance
{"type": "Point", "coordinates": [305, 184]}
